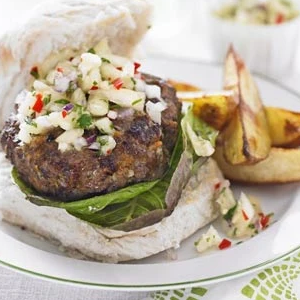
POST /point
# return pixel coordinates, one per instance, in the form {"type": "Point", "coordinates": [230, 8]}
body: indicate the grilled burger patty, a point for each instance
{"type": "Point", "coordinates": [142, 152]}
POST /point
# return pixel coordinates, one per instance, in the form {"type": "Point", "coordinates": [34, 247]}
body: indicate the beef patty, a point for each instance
{"type": "Point", "coordinates": [142, 154]}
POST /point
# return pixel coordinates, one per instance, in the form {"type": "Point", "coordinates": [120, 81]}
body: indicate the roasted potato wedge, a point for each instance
{"type": "Point", "coordinates": [215, 109]}
{"type": "Point", "coordinates": [281, 166]}
{"type": "Point", "coordinates": [182, 86]}
{"type": "Point", "coordinates": [284, 127]}
{"type": "Point", "coordinates": [246, 138]}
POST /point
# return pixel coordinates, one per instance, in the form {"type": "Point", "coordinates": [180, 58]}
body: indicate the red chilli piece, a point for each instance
{"type": "Point", "coordinates": [217, 185]}
{"type": "Point", "coordinates": [120, 68]}
{"type": "Point", "coordinates": [246, 218]}
{"type": "Point", "coordinates": [264, 221]}
{"type": "Point", "coordinates": [224, 244]}
{"type": "Point", "coordinates": [61, 70]}
{"type": "Point", "coordinates": [34, 70]}
{"type": "Point", "coordinates": [118, 83]}
{"type": "Point", "coordinates": [279, 19]}
{"type": "Point", "coordinates": [94, 88]}
{"type": "Point", "coordinates": [136, 67]}
{"type": "Point", "coordinates": [64, 113]}
{"type": "Point", "coordinates": [38, 105]}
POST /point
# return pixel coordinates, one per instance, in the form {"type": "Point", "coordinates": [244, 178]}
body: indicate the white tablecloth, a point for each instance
{"type": "Point", "coordinates": [15, 286]}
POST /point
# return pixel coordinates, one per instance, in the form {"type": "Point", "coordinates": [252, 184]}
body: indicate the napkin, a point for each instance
{"type": "Point", "coordinates": [278, 282]}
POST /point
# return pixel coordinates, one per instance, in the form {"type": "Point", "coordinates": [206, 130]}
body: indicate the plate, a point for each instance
{"type": "Point", "coordinates": [28, 254]}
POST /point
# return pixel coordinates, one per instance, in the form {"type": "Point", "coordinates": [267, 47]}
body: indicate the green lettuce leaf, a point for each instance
{"type": "Point", "coordinates": [198, 135]}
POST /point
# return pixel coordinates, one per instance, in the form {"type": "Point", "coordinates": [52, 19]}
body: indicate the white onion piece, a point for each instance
{"type": "Point", "coordinates": [107, 144]}
{"type": "Point", "coordinates": [94, 146]}
{"type": "Point", "coordinates": [208, 240]}
{"type": "Point", "coordinates": [92, 78]}
{"type": "Point", "coordinates": [61, 82]}
{"type": "Point", "coordinates": [79, 143]}
{"type": "Point", "coordinates": [89, 61]}
{"type": "Point", "coordinates": [152, 91]}
{"type": "Point", "coordinates": [70, 136]}
{"type": "Point", "coordinates": [247, 206]}
{"type": "Point", "coordinates": [96, 106]}
{"type": "Point", "coordinates": [154, 110]}
{"type": "Point", "coordinates": [78, 97]}
{"type": "Point", "coordinates": [112, 114]}
{"type": "Point", "coordinates": [109, 72]}
{"type": "Point", "coordinates": [140, 85]}
{"type": "Point", "coordinates": [105, 125]}
{"type": "Point", "coordinates": [124, 98]}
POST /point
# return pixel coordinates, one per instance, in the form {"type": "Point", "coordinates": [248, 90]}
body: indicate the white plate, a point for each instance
{"type": "Point", "coordinates": [23, 252]}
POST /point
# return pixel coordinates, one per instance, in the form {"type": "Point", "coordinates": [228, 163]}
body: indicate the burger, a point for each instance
{"type": "Point", "coordinates": [97, 155]}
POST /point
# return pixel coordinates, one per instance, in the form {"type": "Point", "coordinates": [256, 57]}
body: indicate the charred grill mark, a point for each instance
{"type": "Point", "coordinates": [290, 128]}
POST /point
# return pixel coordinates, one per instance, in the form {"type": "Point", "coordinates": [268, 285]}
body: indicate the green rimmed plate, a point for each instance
{"type": "Point", "coordinates": [26, 253]}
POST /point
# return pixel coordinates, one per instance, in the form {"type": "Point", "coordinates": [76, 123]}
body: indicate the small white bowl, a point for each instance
{"type": "Point", "coordinates": [268, 49]}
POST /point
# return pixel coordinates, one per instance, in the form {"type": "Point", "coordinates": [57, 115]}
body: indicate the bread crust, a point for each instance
{"type": "Point", "coordinates": [196, 208]}
{"type": "Point", "coordinates": [60, 30]}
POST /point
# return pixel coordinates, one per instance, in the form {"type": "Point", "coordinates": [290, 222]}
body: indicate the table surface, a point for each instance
{"type": "Point", "coordinates": [15, 286]}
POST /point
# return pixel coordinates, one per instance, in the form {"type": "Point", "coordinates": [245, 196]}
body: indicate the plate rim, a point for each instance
{"type": "Point", "coordinates": [120, 287]}
{"type": "Point", "coordinates": [165, 286]}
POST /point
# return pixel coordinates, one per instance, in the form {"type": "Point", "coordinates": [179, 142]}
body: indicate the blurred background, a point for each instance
{"type": "Point", "coordinates": [266, 33]}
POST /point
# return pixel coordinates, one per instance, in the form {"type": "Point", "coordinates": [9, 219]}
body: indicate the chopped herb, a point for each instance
{"type": "Point", "coordinates": [92, 50]}
{"type": "Point", "coordinates": [79, 76]}
{"type": "Point", "coordinates": [30, 122]}
{"type": "Point", "coordinates": [149, 26]}
{"type": "Point", "coordinates": [133, 80]}
{"type": "Point", "coordinates": [62, 101]}
{"type": "Point", "coordinates": [135, 102]}
{"type": "Point", "coordinates": [95, 82]}
{"type": "Point", "coordinates": [105, 60]}
{"type": "Point", "coordinates": [240, 242]}
{"type": "Point", "coordinates": [196, 243]}
{"type": "Point", "coordinates": [228, 216]}
{"type": "Point", "coordinates": [251, 226]}
{"type": "Point", "coordinates": [256, 231]}
{"type": "Point", "coordinates": [72, 87]}
{"type": "Point", "coordinates": [84, 121]}
{"type": "Point", "coordinates": [234, 231]}
{"type": "Point", "coordinates": [207, 239]}
{"type": "Point", "coordinates": [78, 108]}
{"type": "Point", "coordinates": [47, 99]}
{"type": "Point", "coordinates": [102, 140]}
{"type": "Point", "coordinates": [223, 190]}
{"type": "Point", "coordinates": [35, 72]}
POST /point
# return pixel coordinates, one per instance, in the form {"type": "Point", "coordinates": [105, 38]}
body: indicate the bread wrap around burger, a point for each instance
{"type": "Point", "coordinates": [97, 155]}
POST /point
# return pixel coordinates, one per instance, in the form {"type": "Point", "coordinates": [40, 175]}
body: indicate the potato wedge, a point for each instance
{"type": "Point", "coordinates": [281, 166]}
{"type": "Point", "coordinates": [216, 110]}
{"type": "Point", "coordinates": [246, 138]}
{"type": "Point", "coordinates": [182, 86]}
{"type": "Point", "coordinates": [284, 127]}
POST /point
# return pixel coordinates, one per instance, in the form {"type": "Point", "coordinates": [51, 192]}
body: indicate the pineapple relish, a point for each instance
{"type": "Point", "coordinates": [84, 93]}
